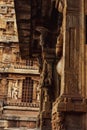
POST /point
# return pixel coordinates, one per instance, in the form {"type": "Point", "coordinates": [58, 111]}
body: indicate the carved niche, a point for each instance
{"type": "Point", "coordinates": [72, 47]}
{"type": "Point", "coordinates": [14, 90]}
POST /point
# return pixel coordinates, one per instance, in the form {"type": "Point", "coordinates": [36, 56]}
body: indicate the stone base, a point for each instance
{"type": "Point", "coordinates": [68, 113]}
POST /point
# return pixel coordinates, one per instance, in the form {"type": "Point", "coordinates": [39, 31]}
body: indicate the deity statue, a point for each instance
{"type": "Point", "coordinates": [14, 91]}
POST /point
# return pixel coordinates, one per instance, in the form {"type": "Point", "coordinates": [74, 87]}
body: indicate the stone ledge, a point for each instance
{"type": "Point", "coordinates": [21, 118]}
{"type": "Point", "coordinates": [20, 108]}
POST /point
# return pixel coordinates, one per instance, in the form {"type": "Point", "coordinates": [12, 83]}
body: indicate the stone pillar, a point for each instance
{"type": "Point", "coordinates": [46, 99]}
{"type": "Point", "coordinates": [46, 77]}
{"type": "Point", "coordinates": [14, 88]}
{"type": "Point", "coordinates": [72, 73]}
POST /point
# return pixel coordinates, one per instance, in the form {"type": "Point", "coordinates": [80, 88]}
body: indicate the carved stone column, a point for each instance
{"type": "Point", "coordinates": [46, 81]}
{"type": "Point", "coordinates": [47, 94]}
{"type": "Point", "coordinates": [69, 39]}
{"type": "Point", "coordinates": [72, 74]}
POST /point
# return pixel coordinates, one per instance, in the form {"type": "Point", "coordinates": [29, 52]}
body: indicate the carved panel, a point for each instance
{"type": "Point", "coordinates": [72, 53]}
{"type": "Point", "coordinates": [58, 121]}
{"type": "Point", "coordinates": [3, 9]}
{"type": "Point", "coordinates": [13, 89]}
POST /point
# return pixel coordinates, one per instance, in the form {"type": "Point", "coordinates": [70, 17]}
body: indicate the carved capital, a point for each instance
{"type": "Point", "coordinates": [47, 39]}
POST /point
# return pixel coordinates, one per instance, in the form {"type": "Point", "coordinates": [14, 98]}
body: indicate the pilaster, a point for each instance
{"type": "Point", "coordinates": [71, 99]}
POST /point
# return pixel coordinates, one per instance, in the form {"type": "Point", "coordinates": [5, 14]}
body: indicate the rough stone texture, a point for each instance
{"type": "Point", "coordinates": [13, 70]}
{"type": "Point", "coordinates": [11, 83]}
{"type": "Point", "coordinates": [8, 27]}
{"type": "Point", "coordinates": [72, 77]}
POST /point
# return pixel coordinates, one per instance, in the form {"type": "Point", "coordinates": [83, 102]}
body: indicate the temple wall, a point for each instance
{"type": "Point", "coordinates": [19, 106]}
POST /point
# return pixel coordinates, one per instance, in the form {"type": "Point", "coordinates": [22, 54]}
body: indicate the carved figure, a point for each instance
{"type": "Point", "coordinates": [14, 91]}
{"type": "Point", "coordinates": [46, 76]}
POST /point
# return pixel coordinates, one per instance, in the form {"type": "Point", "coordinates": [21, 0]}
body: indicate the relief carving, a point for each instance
{"type": "Point", "coordinates": [60, 121]}
{"type": "Point", "coordinates": [45, 84]}
{"type": "Point", "coordinates": [46, 75]}
{"type": "Point", "coordinates": [14, 90]}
